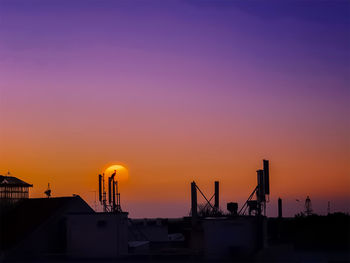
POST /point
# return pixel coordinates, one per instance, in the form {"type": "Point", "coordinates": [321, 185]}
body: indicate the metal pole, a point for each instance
{"type": "Point", "coordinates": [113, 194]}
{"type": "Point", "coordinates": [266, 176]}
{"type": "Point", "coordinates": [194, 201]}
{"type": "Point", "coordinates": [109, 190]}
{"type": "Point", "coordinates": [279, 208]}
{"type": "Point", "coordinates": [100, 187]}
{"type": "Point", "coordinates": [216, 201]}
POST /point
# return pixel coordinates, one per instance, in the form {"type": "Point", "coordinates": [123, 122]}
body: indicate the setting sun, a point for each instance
{"type": "Point", "coordinates": [122, 173]}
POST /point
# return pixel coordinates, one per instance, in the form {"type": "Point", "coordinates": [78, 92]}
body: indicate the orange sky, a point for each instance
{"type": "Point", "coordinates": [161, 169]}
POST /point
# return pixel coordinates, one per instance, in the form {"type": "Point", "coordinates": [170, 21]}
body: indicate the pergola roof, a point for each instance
{"type": "Point", "coordinates": [10, 181]}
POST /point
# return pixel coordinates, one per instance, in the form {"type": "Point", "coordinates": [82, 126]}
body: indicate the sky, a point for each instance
{"type": "Point", "coordinates": [178, 91]}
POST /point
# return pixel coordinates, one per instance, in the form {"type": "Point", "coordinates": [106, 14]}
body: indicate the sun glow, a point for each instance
{"type": "Point", "coordinates": [122, 173]}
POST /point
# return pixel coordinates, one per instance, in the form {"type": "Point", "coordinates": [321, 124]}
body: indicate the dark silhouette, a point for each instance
{"type": "Point", "coordinates": [13, 189]}
{"type": "Point", "coordinates": [113, 193]}
{"type": "Point", "coordinates": [68, 228]}
{"type": "Point", "coordinates": [308, 206]}
{"type": "Point", "coordinates": [279, 208]}
{"type": "Point", "coordinates": [48, 191]}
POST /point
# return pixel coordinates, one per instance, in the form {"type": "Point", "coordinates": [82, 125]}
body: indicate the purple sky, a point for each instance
{"type": "Point", "coordinates": [190, 82]}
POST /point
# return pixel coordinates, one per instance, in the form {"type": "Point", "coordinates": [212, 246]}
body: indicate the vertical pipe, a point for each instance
{"type": "Point", "coordinates": [113, 184]}
{"type": "Point", "coordinates": [266, 177]}
{"type": "Point", "coordinates": [194, 201]}
{"type": "Point", "coordinates": [117, 194]}
{"type": "Point", "coordinates": [279, 208]}
{"type": "Point", "coordinates": [103, 188]}
{"type": "Point", "coordinates": [100, 187]}
{"type": "Point", "coordinates": [216, 201]}
{"type": "Point", "coordinates": [109, 191]}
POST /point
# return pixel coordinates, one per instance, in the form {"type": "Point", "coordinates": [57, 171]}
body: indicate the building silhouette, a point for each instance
{"type": "Point", "coordinates": [13, 189]}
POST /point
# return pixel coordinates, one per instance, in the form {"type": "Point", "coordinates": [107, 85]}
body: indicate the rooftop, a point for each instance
{"type": "Point", "coordinates": [29, 214]}
{"type": "Point", "coordinates": [13, 181]}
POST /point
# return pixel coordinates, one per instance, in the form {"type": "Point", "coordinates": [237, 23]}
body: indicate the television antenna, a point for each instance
{"type": "Point", "coordinates": [113, 204]}
{"type": "Point", "coordinates": [308, 206]}
{"type": "Point", "coordinates": [48, 191]}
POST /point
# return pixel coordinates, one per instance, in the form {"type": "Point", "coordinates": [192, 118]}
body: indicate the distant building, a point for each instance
{"type": "Point", "coordinates": [13, 189]}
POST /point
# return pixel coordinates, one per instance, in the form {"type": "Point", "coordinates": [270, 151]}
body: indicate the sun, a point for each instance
{"type": "Point", "coordinates": [122, 174]}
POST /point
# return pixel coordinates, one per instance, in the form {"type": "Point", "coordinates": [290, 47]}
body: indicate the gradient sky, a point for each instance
{"type": "Point", "coordinates": [178, 91]}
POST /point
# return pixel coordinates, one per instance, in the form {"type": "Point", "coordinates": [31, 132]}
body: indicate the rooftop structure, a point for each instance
{"type": "Point", "coordinates": [13, 189]}
{"type": "Point", "coordinates": [37, 225]}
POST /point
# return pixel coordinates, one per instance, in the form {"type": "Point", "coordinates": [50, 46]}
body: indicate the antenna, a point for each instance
{"type": "Point", "coordinates": [266, 176]}
{"type": "Point", "coordinates": [118, 207]}
{"type": "Point", "coordinates": [113, 194]}
{"type": "Point", "coordinates": [104, 201]}
{"type": "Point", "coordinates": [100, 187]}
{"type": "Point", "coordinates": [114, 205]}
{"type": "Point", "coordinates": [109, 191]}
{"type": "Point", "coordinates": [194, 211]}
{"type": "Point", "coordinates": [308, 206]}
{"type": "Point", "coordinates": [216, 191]}
{"type": "Point", "coordinates": [116, 195]}
{"type": "Point", "coordinates": [279, 207]}
{"type": "Point", "coordinates": [48, 191]}
{"type": "Point", "coordinates": [207, 209]}
{"type": "Point", "coordinates": [261, 190]}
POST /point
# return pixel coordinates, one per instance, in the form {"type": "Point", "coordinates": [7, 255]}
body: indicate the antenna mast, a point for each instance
{"type": "Point", "coordinates": [261, 191]}
{"type": "Point", "coordinates": [48, 191]}
{"type": "Point", "coordinates": [308, 206]}
{"type": "Point", "coordinates": [113, 204]}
